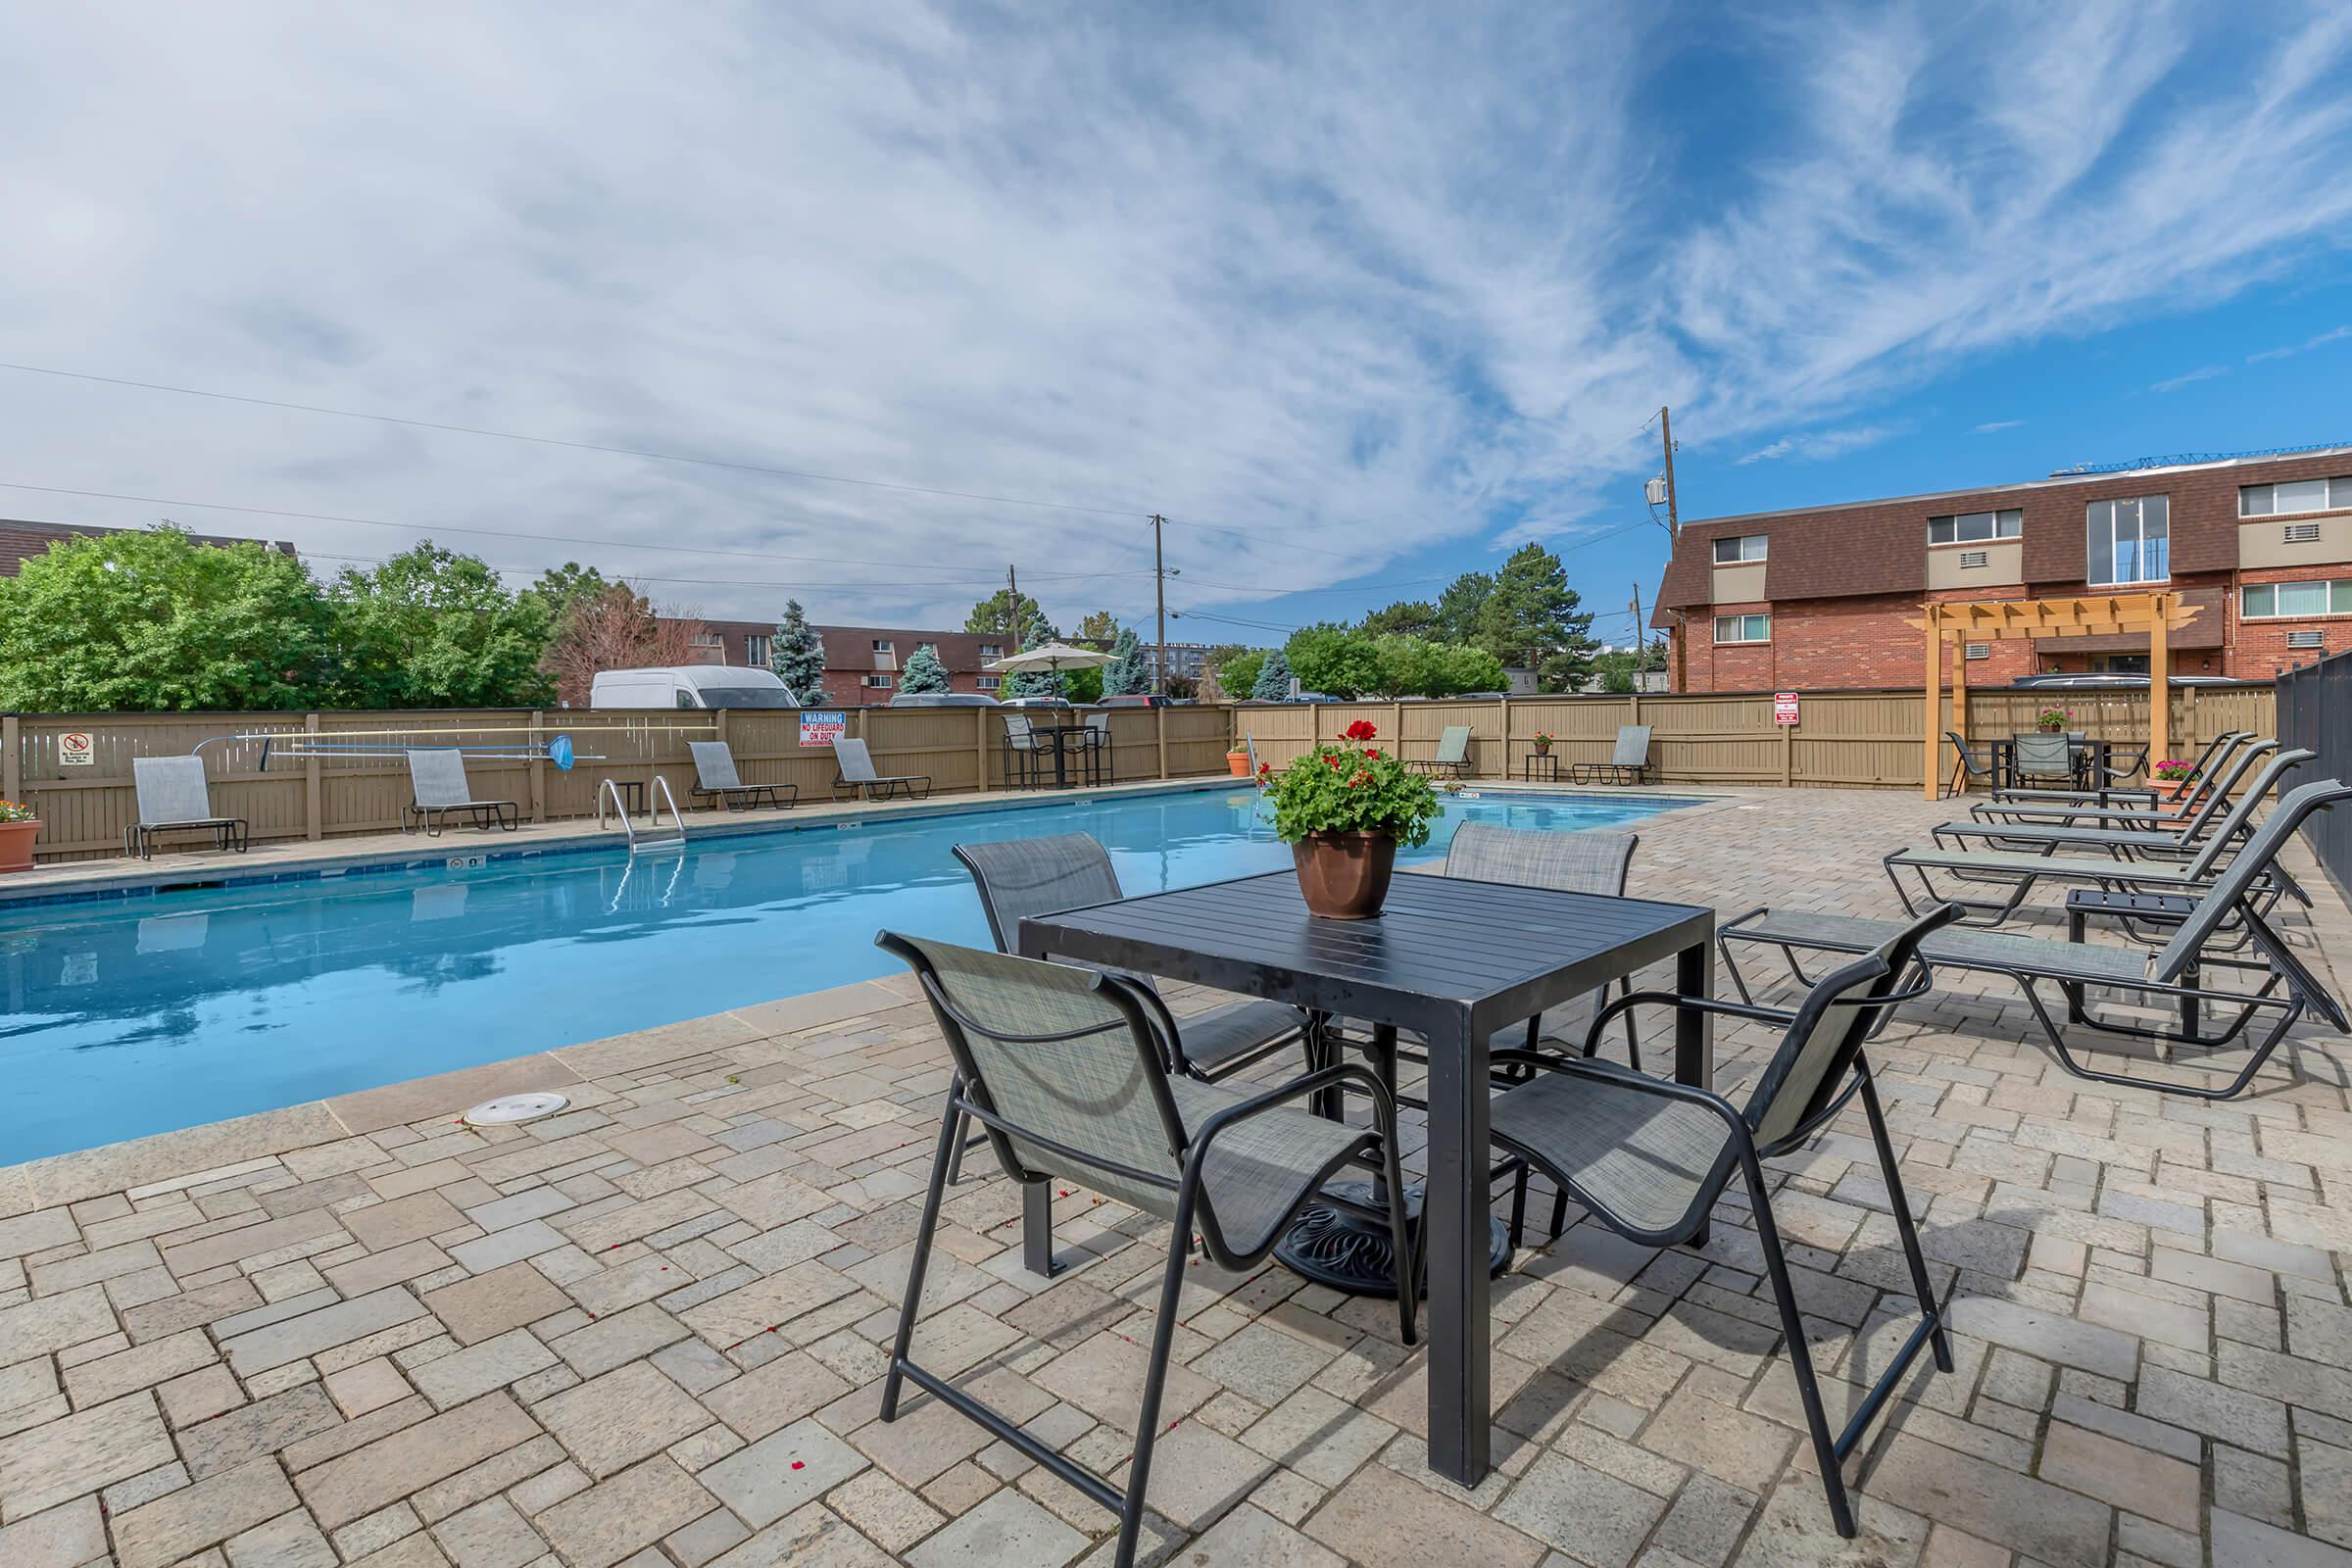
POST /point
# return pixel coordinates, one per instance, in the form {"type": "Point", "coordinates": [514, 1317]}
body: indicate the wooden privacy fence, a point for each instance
{"type": "Point", "coordinates": [84, 806]}
{"type": "Point", "coordinates": [1842, 738]}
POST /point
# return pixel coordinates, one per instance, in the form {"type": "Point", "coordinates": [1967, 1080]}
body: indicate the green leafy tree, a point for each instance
{"type": "Point", "coordinates": [1129, 673]}
{"type": "Point", "coordinates": [1236, 668]}
{"type": "Point", "coordinates": [994, 616]}
{"type": "Point", "coordinates": [1273, 683]}
{"type": "Point", "coordinates": [1083, 685]}
{"type": "Point", "coordinates": [1408, 617]}
{"type": "Point", "coordinates": [1416, 666]}
{"type": "Point", "coordinates": [797, 655]}
{"type": "Point", "coordinates": [151, 620]}
{"type": "Point", "coordinates": [1099, 628]}
{"type": "Point", "coordinates": [923, 673]}
{"type": "Point", "coordinates": [1335, 659]}
{"type": "Point", "coordinates": [433, 628]}
{"type": "Point", "coordinates": [559, 588]}
{"type": "Point", "coordinates": [1461, 607]}
{"type": "Point", "coordinates": [1532, 618]}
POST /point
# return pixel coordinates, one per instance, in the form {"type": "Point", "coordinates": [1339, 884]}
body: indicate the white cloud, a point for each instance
{"type": "Point", "coordinates": [1352, 292]}
{"type": "Point", "coordinates": [2333, 335]}
{"type": "Point", "coordinates": [1816, 445]}
{"type": "Point", "coordinates": [1995, 426]}
{"type": "Point", "coordinates": [2203, 373]}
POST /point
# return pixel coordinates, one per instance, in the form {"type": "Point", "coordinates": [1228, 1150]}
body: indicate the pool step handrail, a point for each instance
{"type": "Point", "coordinates": [608, 790]}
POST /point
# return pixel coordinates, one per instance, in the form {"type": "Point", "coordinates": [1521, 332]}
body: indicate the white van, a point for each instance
{"type": "Point", "coordinates": [699, 686]}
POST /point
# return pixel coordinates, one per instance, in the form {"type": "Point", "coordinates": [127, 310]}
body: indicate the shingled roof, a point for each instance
{"type": "Point", "coordinates": [21, 541]}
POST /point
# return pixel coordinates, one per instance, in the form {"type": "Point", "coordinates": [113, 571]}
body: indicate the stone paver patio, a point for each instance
{"type": "Point", "coordinates": [646, 1332]}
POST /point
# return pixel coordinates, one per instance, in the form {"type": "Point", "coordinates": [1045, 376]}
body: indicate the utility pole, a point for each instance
{"type": "Point", "coordinates": [1160, 595]}
{"type": "Point", "coordinates": [1674, 522]}
{"type": "Point", "coordinates": [1012, 611]}
{"type": "Point", "coordinates": [1640, 639]}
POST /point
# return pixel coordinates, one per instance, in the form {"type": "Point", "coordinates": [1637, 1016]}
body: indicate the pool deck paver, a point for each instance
{"type": "Point", "coordinates": [649, 1332]}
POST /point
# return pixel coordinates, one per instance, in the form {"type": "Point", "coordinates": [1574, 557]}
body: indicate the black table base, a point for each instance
{"type": "Point", "coordinates": [1352, 1254]}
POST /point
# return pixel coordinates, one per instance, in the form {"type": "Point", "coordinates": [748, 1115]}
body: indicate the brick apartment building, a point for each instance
{"type": "Point", "coordinates": [862, 664]}
{"type": "Point", "coordinates": [21, 541]}
{"type": "Point", "coordinates": [1820, 597]}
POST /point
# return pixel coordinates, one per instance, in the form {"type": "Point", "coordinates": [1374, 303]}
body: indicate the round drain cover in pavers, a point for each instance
{"type": "Point", "coordinates": [508, 1109]}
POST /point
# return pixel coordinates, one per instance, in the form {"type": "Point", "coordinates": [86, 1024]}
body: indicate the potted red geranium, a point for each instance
{"type": "Point", "coordinates": [1343, 811]}
{"type": "Point", "coordinates": [18, 827]}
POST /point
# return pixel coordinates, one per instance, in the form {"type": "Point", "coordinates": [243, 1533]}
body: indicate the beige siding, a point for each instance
{"type": "Point", "coordinates": [2264, 543]}
{"type": "Point", "coordinates": [1739, 585]}
{"type": "Point", "coordinates": [2004, 564]}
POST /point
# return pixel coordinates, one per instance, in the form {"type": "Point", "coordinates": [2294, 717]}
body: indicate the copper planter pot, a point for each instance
{"type": "Point", "coordinates": [1344, 876]}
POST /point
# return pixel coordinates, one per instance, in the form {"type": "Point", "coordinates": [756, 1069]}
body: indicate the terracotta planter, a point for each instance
{"type": "Point", "coordinates": [1344, 876]}
{"type": "Point", "coordinates": [16, 844]}
{"type": "Point", "coordinates": [1543, 747]}
{"type": "Point", "coordinates": [1237, 763]}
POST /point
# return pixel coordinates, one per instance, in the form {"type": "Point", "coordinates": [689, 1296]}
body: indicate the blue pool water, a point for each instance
{"type": "Point", "coordinates": [125, 1017]}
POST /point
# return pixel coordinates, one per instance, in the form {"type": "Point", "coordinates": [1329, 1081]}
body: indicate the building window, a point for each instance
{"type": "Point", "coordinates": [989, 683]}
{"type": "Point", "coordinates": [992, 650]}
{"type": "Point", "coordinates": [1976, 527]}
{"type": "Point", "coordinates": [1744, 629]}
{"type": "Point", "coordinates": [2129, 541]}
{"type": "Point", "coordinates": [1741, 549]}
{"type": "Point", "coordinates": [2295, 495]}
{"type": "Point", "coordinates": [708, 639]}
{"type": "Point", "coordinates": [2283, 601]}
{"type": "Point", "coordinates": [879, 683]}
{"type": "Point", "coordinates": [1979, 650]}
{"type": "Point", "coordinates": [754, 649]}
{"type": "Point", "coordinates": [883, 645]}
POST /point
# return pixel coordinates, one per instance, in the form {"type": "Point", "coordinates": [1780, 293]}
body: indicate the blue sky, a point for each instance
{"type": "Point", "coordinates": [1355, 306]}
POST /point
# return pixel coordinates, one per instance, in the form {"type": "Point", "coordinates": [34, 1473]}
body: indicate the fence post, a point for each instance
{"type": "Point", "coordinates": [980, 747]}
{"type": "Point", "coordinates": [12, 760]}
{"type": "Point", "coordinates": [1788, 753]}
{"type": "Point", "coordinates": [538, 768]}
{"type": "Point", "coordinates": [314, 817]}
{"type": "Point", "coordinates": [1160, 717]}
{"type": "Point", "coordinates": [1503, 721]}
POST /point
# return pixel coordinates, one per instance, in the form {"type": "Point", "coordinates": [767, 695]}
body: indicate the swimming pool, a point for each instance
{"type": "Point", "coordinates": [125, 1017]}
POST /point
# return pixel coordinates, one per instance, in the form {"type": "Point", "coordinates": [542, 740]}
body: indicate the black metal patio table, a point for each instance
{"type": "Point", "coordinates": [1451, 961]}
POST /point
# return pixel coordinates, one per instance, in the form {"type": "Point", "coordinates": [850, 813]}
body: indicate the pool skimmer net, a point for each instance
{"type": "Point", "coordinates": [508, 1110]}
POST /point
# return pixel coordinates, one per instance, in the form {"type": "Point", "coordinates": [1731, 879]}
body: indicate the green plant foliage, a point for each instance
{"type": "Point", "coordinates": [433, 628]}
{"type": "Point", "coordinates": [1414, 666]}
{"type": "Point", "coordinates": [1097, 628]}
{"type": "Point", "coordinates": [1237, 669]}
{"type": "Point", "coordinates": [923, 673]}
{"type": "Point", "coordinates": [1337, 660]}
{"type": "Point", "coordinates": [796, 654]}
{"type": "Point", "coordinates": [151, 620]}
{"type": "Point", "coordinates": [1355, 788]}
{"type": "Point", "coordinates": [1408, 617]}
{"type": "Point", "coordinates": [1273, 683]}
{"type": "Point", "coordinates": [1129, 673]}
{"type": "Point", "coordinates": [559, 588]}
{"type": "Point", "coordinates": [1083, 685]}
{"type": "Point", "coordinates": [990, 618]}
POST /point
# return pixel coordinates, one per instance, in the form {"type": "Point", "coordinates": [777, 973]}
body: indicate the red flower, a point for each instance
{"type": "Point", "coordinates": [1361, 779]}
{"type": "Point", "coordinates": [1360, 730]}
{"type": "Point", "coordinates": [1264, 768]}
{"type": "Point", "coordinates": [1372, 751]}
{"type": "Point", "coordinates": [1334, 759]}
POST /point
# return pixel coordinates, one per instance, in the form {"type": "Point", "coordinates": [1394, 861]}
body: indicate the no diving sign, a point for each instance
{"type": "Point", "coordinates": [74, 749]}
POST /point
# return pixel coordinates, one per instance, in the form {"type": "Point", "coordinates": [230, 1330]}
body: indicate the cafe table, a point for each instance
{"type": "Point", "coordinates": [1449, 960]}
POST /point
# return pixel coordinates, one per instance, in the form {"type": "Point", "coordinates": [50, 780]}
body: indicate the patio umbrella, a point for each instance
{"type": "Point", "coordinates": [1054, 657]}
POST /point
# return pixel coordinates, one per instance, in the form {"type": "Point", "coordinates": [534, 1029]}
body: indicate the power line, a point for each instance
{"type": "Point", "coordinates": [650, 452]}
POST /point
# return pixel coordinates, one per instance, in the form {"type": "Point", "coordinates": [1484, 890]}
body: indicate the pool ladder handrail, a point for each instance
{"type": "Point", "coordinates": [675, 839]}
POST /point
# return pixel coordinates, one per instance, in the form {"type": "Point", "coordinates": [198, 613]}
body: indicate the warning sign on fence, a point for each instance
{"type": "Point", "coordinates": [1783, 708]}
{"type": "Point", "coordinates": [820, 728]}
{"type": "Point", "coordinates": [73, 749]}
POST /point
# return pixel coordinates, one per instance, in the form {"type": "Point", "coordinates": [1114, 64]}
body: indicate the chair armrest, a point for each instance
{"type": "Point", "coordinates": [1634, 999]}
{"type": "Point", "coordinates": [1384, 1113]}
{"type": "Point", "coordinates": [1609, 1072]}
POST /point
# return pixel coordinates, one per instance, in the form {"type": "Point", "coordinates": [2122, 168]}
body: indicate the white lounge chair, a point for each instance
{"type": "Point", "coordinates": [174, 798]}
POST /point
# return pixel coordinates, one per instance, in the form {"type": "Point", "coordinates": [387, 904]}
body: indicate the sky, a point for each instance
{"type": "Point", "coordinates": [860, 303]}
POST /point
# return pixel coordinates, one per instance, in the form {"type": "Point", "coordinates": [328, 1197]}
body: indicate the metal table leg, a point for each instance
{"type": "Point", "coordinates": [1457, 1219]}
{"type": "Point", "coordinates": [1693, 1030]}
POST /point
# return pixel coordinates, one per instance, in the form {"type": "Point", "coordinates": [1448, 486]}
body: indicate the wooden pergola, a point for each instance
{"type": "Point", "coordinates": [2158, 614]}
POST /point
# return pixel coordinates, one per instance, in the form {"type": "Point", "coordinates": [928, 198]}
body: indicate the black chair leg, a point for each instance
{"type": "Point", "coordinates": [1800, 1355]}
{"type": "Point", "coordinates": [1940, 1339]}
{"type": "Point", "coordinates": [1155, 1378]}
{"type": "Point", "coordinates": [1518, 1204]}
{"type": "Point", "coordinates": [951, 1120]}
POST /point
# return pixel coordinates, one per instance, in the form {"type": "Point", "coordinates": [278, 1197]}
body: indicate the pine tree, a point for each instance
{"type": "Point", "coordinates": [1129, 673]}
{"type": "Point", "coordinates": [797, 656]}
{"type": "Point", "coordinates": [923, 673]}
{"type": "Point", "coordinates": [1273, 679]}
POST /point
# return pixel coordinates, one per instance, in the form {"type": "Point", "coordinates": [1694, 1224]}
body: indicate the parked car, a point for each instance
{"type": "Point", "coordinates": [943, 700]}
{"type": "Point", "coordinates": [696, 686]}
{"type": "Point", "coordinates": [1138, 700]}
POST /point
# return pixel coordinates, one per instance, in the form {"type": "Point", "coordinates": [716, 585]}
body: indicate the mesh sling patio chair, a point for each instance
{"type": "Point", "coordinates": [2174, 976]}
{"type": "Point", "coordinates": [853, 771]}
{"type": "Point", "coordinates": [2215, 779]}
{"type": "Point", "coordinates": [2041, 753]}
{"type": "Point", "coordinates": [714, 775]}
{"type": "Point", "coordinates": [1452, 754]}
{"type": "Point", "coordinates": [2175, 837]}
{"type": "Point", "coordinates": [438, 787]}
{"type": "Point", "coordinates": [1630, 764]}
{"type": "Point", "coordinates": [1059, 1066]}
{"type": "Point", "coordinates": [1647, 1158]}
{"type": "Point", "coordinates": [1023, 756]}
{"type": "Point", "coordinates": [174, 798]}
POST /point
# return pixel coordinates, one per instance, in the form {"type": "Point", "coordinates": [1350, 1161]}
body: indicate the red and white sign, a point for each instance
{"type": "Point", "coordinates": [822, 729]}
{"type": "Point", "coordinates": [75, 749]}
{"type": "Point", "coordinates": [1783, 708]}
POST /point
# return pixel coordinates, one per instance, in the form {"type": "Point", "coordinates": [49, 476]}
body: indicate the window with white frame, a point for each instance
{"type": "Point", "coordinates": [755, 647]}
{"type": "Point", "coordinates": [1741, 549]}
{"type": "Point", "coordinates": [880, 683]}
{"type": "Point", "coordinates": [2129, 541]}
{"type": "Point", "coordinates": [2295, 495]}
{"type": "Point", "coordinates": [1976, 527]}
{"type": "Point", "coordinates": [708, 639]}
{"type": "Point", "coordinates": [989, 683]}
{"type": "Point", "coordinates": [2281, 601]}
{"type": "Point", "coordinates": [992, 650]}
{"type": "Point", "coordinates": [883, 645]}
{"type": "Point", "coordinates": [1744, 629]}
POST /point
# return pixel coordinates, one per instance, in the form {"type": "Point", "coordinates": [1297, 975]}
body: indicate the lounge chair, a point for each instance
{"type": "Point", "coordinates": [1063, 1067]}
{"type": "Point", "coordinates": [2174, 976]}
{"type": "Point", "coordinates": [1648, 1158]}
{"type": "Point", "coordinates": [438, 787]}
{"type": "Point", "coordinates": [853, 771]}
{"type": "Point", "coordinates": [2025, 871]}
{"type": "Point", "coordinates": [1974, 764]}
{"type": "Point", "coordinates": [714, 775]}
{"type": "Point", "coordinates": [1630, 764]}
{"type": "Point", "coordinates": [1024, 758]}
{"type": "Point", "coordinates": [2211, 790]}
{"type": "Point", "coordinates": [1453, 753]}
{"type": "Point", "coordinates": [2175, 837]}
{"type": "Point", "coordinates": [174, 798]}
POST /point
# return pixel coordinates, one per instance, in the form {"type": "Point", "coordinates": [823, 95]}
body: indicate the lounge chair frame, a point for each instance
{"type": "Point", "coordinates": [177, 775]}
{"type": "Point", "coordinates": [434, 815]}
{"type": "Point", "coordinates": [1453, 753]}
{"type": "Point", "coordinates": [873, 786]}
{"type": "Point", "coordinates": [714, 777]}
{"type": "Point", "coordinates": [1630, 764]}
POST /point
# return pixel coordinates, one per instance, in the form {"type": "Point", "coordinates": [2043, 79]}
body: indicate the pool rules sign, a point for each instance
{"type": "Point", "coordinates": [1783, 708]}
